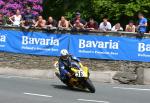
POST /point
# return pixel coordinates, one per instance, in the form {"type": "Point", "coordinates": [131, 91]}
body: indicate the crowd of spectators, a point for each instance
{"type": "Point", "coordinates": [29, 20]}
{"type": "Point", "coordinates": [23, 16]}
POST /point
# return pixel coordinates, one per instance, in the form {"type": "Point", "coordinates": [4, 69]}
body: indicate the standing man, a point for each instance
{"type": "Point", "coordinates": [142, 27]}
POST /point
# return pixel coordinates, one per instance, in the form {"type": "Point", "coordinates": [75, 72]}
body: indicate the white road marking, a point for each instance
{"type": "Point", "coordinates": [137, 89]}
{"type": "Point", "coordinates": [3, 76]}
{"type": "Point", "coordinates": [94, 101]}
{"type": "Point", "coordinates": [39, 95]}
{"type": "Point", "coordinates": [21, 77]}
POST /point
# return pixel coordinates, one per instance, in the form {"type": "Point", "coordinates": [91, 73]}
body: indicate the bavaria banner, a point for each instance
{"type": "Point", "coordinates": [115, 48]}
{"type": "Point", "coordinates": [84, 46]}
{"type": "Point", "coordinates": [2, 41]}
{"type": "Point", "coordinates": [32, 42]}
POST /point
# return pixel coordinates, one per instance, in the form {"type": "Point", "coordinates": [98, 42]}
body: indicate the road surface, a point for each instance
{"type": "Point", "coordinates": [15, 89]}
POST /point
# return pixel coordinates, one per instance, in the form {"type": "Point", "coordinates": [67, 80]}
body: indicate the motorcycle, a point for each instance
{"type": "Point", "coordinates": [79, 77]}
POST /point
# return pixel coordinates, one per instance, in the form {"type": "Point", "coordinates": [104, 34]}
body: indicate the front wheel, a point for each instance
{"type": "Point", "coordinates": [90, 86]}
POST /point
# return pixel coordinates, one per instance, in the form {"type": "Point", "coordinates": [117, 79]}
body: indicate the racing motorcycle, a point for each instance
{"type": "Point", "coordinates": [79, 77]}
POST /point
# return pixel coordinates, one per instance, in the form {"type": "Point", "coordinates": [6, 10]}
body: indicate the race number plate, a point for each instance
{"type": "Point", "coordinates": [80, 73]}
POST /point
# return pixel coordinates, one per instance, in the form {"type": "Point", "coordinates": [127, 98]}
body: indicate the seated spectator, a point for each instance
{"type": "Point", "coordinates": [92, 25]}
{"type": "Point", "coordinates": [78, 17]}
{"type": "Point", "coordinates": [16, 19]}
{"type": "Point", "coordinates": [28, 19]}
{"type": "Point", "coordinates": [105, 25]}
{"type": "Point", "coordinates": [130, 27]}
{"type": "Point", "coordinates": [117, 27]}
{"type": "Point", "coordinates": [63, 23]}
{"type": "Point", "coordinates": [40, 23]}
{"type": "Point", "coordinates": [78, 25]}
{"type": "Point", "coordinates": [1, 19]}
{"type": "Point", "coordinates": [51, 23]}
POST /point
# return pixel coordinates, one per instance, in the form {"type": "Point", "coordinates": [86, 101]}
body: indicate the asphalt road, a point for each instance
{"type": "Point", "coordinates": [15, 89]}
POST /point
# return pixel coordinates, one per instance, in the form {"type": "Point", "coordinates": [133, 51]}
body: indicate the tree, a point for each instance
{"type": "Point", "coordinates": [66, 7]}
{"type": "Point", "coordinates": [116, 10]}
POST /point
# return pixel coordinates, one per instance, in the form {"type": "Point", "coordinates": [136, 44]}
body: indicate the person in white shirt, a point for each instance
{"type": "Point", "coordinates": [117, 27]}
{"type": "Point", "coordinates": [16, 19]}
{"type": "Point", "coordinates": [105, 25]}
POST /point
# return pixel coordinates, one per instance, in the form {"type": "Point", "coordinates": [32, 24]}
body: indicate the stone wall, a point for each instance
{"type": "Point", "coordinates": [128, 72]}
{"type": "Point", "coordinates": [21, 61]}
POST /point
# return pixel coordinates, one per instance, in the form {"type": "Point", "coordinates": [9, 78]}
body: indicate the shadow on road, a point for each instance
{"type": "Point", "coordinates": [69, 89]}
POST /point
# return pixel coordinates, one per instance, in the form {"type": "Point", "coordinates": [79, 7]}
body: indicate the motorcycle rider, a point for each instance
{"type": "Point", "coordinates": [72, 72]}
{"type": "Point", "coordinates": [65, 64]}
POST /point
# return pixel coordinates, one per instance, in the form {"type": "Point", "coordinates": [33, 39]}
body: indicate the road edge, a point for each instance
{"type": "Point", "coordinates": [98, 76]}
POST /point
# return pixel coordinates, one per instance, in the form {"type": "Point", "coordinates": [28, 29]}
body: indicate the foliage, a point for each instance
{"type": "Point", "coordinates": [8, 7]}
{"type": "Point", "coordinates": [65, 7]}
{"type": "Point", "coordinates": [116, 10]}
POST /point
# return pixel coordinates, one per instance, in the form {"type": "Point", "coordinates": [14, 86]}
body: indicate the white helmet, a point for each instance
{"type": "Point", "coordinates": [64, 52]}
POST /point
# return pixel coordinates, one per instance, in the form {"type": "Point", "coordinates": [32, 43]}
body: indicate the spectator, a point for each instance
{"type": "Point", "coordinates": [16, 19]}
{"type": "Point", "coordinates": [130, 27]}
{"type": "Point", "coordinates": [51, 23]}
{"type": "Point", "coordinates": [78, 25]}
{"type": "Point", "coordinates": [28, 19]}
{"type": "Point", "coordinates": [117, 27]}
{"type": "Point", "coordinates": [1, 19]}
{"type": "Point", "coordinates": [78, 17]}
{"type": "Point", "coordinates": [142, 25]}
{"type": "Point", "coordinates": [63, 23]}
{"type": "Point", "coordinates": [92, 25]}
{"type": "Point", "coordinates": [40, 23]}
{"type": "Point", "coordinates": [105, 25]}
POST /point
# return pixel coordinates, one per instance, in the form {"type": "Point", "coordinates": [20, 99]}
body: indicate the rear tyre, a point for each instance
{"type": "Point", "coordinates": [90, 86]}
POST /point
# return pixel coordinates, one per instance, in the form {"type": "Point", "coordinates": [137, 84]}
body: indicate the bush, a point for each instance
{"type": "Point", "coordinates": [8, 7]}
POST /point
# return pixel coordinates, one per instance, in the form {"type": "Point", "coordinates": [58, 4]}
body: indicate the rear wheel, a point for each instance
{"type": "Point", "coordinates": [90, 86]}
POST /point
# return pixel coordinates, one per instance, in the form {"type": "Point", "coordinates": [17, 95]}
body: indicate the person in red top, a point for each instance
{"type": "Point", "coordinates": [92, 25]}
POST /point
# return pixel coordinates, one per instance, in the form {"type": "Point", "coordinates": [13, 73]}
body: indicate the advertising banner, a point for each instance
{"type": "Point", "coordinates": [83, 46]}
{"type": "Point", "coordinates": [115, 48]}
{"type": "Point", "coordinates": [32, 42]}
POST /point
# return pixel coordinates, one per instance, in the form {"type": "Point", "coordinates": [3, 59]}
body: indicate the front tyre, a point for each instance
{"type": "Point", "coordinates": [90, 86]}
